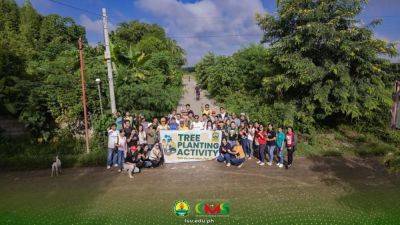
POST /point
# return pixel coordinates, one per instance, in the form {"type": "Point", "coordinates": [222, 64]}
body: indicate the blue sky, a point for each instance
{"type": "Point", "coordinates": [200, 26]}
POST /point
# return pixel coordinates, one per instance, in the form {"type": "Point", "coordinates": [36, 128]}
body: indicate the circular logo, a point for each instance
{"type": "Point", "coordinates": [181, 208]}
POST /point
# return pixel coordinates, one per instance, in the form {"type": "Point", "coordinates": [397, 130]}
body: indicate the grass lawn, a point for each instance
{"type": "Point", "coordinates": [329, 190]}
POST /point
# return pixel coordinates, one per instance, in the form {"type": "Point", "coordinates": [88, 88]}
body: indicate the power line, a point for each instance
{"type": "Point", "coordinates": [74, 7]}
{"type": "Point", "coordinates": [213, 35]}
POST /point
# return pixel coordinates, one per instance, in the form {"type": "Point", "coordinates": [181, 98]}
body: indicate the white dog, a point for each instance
{"type": "Point", "coordinates": [56, 167]}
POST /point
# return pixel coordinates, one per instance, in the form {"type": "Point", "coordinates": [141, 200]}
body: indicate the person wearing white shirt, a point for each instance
{"type": "Point", "coordinates": [122, 149]}
{"type": "Point", "coordinates": [112, 141]}
{"type": "Point", "coordinates": [196, 124]}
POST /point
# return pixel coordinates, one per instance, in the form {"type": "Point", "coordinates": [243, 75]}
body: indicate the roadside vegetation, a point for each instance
{"type": "Point", "coordinates": [322, 73]}
{"type": "Point", "coordinates": [40, 82]}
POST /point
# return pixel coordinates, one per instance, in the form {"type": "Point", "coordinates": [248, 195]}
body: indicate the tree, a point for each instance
{"type": "Point", "coordinates": [325, 61]}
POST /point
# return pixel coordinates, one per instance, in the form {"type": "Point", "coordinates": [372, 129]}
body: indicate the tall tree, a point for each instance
{"type": "Point", "coordinates": [325, 61]}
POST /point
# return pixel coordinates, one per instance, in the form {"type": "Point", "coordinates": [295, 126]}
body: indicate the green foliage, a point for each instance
{"type": "Point", "coordinates": [40, 81]}
{"type": "Point", "coordinates": [148, 69]}
{"type": "Point", "coordinates": [324, 61]}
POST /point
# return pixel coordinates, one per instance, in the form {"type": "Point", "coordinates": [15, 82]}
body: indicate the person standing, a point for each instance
{"type": "Point", "coordinates": [243, 131]}
{"type": "Point", "coordinates": [151, 136]}
{"type": "Point", "coordinates": [271, 143]}
{"type": "Point", "coordinates": [280, 141]}
{"type": "Point", "coordinates": [233, 134]}
{"type": "Point", "coordinates": [119, 120]}
{"type": "Point", "coordinates": [262, 141]}
{"type": "Point", "coordinates": [128, 117]}
{"type": "Point", "coordinates": [173, 125]}
{"type": "Point", "coordinates": [290, 145]}
{"type": "Point", "coordinates": [142, 135]}
{"type": "Point", "coordinates": [122, 149]}
{"type": "Point", "coordinates": [196, 124]}
{"type": "Point", "coordinates": [250, 139]}
{"type": "Point", "coordinates": [112, 145]}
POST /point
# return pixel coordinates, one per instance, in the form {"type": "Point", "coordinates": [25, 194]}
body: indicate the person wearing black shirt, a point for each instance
{"type": "Point", "coordinates": [223, 150]}
{"type": "Point", "coordinates": [130, 160]}
{"type": "Point", "coordinates": [127, 128]}
{"type": "Point", "coordinates": [271, 139]}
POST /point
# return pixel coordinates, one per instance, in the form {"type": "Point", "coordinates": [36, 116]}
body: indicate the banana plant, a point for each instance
{"type": "Point", "coordinates": [131, 58]}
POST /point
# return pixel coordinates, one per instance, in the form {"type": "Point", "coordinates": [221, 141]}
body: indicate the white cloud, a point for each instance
{"type": "Point", "coordinates": [94, 26]}
{"type": "Point", "coordinates": [220, 26]}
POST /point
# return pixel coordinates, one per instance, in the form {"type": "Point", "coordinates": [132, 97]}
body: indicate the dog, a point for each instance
{"type": "Point", "coordinates": [56, 167]}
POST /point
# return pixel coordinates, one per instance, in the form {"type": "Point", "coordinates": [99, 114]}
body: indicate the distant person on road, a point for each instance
{"type": "Point", "coordinates": [197, 90]}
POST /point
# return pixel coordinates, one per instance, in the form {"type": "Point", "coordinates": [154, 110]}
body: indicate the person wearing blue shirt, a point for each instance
{"type": "Point", "coordinates": [280, 140]}
{"type": "Point", "coordinates": [173, 125]}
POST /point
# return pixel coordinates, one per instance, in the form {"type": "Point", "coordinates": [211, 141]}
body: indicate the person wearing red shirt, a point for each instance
{"type": "Point", "coordinates": [262, 141]}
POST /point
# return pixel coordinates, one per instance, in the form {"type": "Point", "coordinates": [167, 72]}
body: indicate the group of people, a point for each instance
{"type": "Point", "coordinates": [133, 142]}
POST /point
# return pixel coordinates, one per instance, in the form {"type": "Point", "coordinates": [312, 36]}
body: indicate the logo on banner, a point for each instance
{"type": "Point", "coordinates": [181, 208]}
{"type": "Point", "coordinates": [204, 208]}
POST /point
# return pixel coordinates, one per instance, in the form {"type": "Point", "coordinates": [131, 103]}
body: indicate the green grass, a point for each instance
{"type": "Point", "coordinates": [277, 197]}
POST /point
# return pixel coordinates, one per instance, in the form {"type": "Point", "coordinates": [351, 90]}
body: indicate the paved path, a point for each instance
{"type": "Point", "coordinates": [189, 96]}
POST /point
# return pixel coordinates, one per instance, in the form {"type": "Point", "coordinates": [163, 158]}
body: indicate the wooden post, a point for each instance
{"type": "Point", "coordinates": [83, 93]}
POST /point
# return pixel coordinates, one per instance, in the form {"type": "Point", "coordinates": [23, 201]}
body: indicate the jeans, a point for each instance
{"type": "Point", "coordinates": [246, 146]}
{"type": "Point", "coordinates": [222, 157]}
{"type": "Point", "coordinates": [232, 160]}
{"type": "Point", "coordinates": [271, 149]}
{"type": "Point", "coordinates": [120, 159]}
{"type": "Point", "coordinates": [111, 158]}
{"type": "Point", "coordinates": [280, 154]}
{"type": "Point", "coordinates": [290, 152]}
{"type": "Point", "coordinates": [261, 152]}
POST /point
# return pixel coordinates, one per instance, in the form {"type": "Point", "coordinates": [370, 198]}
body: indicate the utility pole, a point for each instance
{"type": "Point", "coordinates": [83, 93]}
{"type": "Point", "coordinates": [107, 55]}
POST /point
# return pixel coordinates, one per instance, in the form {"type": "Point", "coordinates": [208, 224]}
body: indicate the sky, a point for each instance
{"type": "Point", "coordinates": [201, 26]}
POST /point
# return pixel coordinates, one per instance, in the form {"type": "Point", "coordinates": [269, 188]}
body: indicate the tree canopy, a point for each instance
{"type": "Point", "coordinates": [321, 64]}
{"type": "Point", "coordinates": [39, 67]}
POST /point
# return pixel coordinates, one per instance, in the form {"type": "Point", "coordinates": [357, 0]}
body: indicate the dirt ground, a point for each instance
{"type": "Point", "coordinates": [318, 190]}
